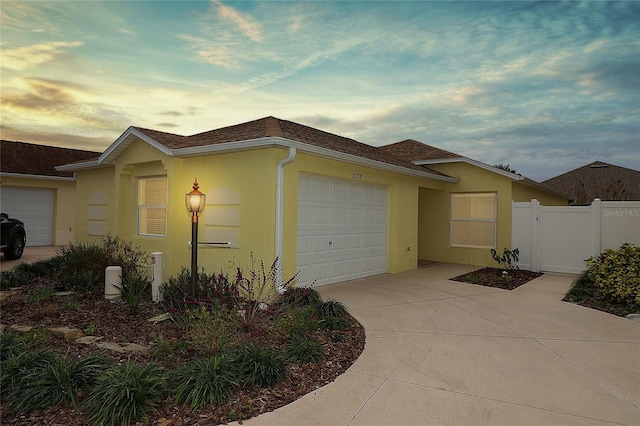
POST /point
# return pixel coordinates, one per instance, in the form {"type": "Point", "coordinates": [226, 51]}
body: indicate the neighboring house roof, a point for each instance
{"type": "Point", "coordinates": [599, 180]}
{"type": "Point", "coordinates": [264, 132]}
{"type": "Point", "coordinates": [423, 154]}
{"type": "Point", "coordinates": [33, 160]}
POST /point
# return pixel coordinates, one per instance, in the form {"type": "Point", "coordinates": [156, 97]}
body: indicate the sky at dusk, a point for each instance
{"type": "Point", "coordinates": [542, 86]}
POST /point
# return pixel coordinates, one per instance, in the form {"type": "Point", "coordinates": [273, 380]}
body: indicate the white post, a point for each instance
{"type": "Point", "coordinates": [536, 229]}
{"type": "Point", "coordinates": [113, 283]}
{"type": "Point", "coordinates": [157, 277]}
{"type": "Point", "coordinates": [596, 223]}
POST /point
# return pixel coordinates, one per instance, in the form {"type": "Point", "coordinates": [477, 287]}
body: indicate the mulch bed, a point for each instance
{"type": "Point", "coordinates": [499, 278]}
{"type": "Point", "coordinates": [113, 321]}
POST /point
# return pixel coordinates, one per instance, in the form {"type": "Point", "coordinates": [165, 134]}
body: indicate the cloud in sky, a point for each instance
{"type": "Point", "coordinates": [542, 86]}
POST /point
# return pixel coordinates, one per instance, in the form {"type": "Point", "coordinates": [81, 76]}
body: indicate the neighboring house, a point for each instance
{"type": "Point", "coordinates": [32, 190]}
{"type": "Point", "coordinates": [598, 180]}
{"type": "Point", "coordinates": [327, 206]}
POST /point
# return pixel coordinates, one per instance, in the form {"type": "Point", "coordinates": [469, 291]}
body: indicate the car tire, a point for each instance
{"type": "Point", "coordinates": [15, 247]}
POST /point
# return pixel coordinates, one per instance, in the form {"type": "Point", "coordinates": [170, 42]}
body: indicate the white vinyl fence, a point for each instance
{"type": "Point", "coordinates": [560, 239]}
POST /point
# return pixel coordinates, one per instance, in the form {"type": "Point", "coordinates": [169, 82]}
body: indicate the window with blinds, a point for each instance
{"type": "Point", "coordinates": [152, 206]}
{"type": "Point", "coordinates": [473, 220]}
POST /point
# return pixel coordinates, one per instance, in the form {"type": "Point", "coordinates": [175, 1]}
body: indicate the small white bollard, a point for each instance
{"type": "Point", "coordinates": [157, 277]}
{"type": "Point", "coordinates": [113, 283]}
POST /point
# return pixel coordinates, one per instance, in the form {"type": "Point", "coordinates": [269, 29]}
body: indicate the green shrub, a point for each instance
{"type": "Point", "coordinates": [205, 381]}
{"type": "Point", "coordinates": [298, 321]}
{"type": "Point", "coordinates": [214, 290]}
{"type": "Point", "coordinates": [259, 365]}
{"type": "Point", "coordinates": [126, 393]}
{"type": "Point", "coordinates": [42, 293]}
{"type": "Point", "coordinates": [333, 323]}
{"type": "Point", "coordinates": [333, 309]}
{"type": "Point", "coordinates": [300, 297]}
{"type": "Point", "coordinates": [82, 265]}
{"type": "Point", "coordinates": [333, 315]}
{"type": "Point", "coordinates": [14, 278]}
{"type": "Point", "coordinates": [582, 289]}
{"type": "Point", "coordinates": [11, 345]}
{"type": "Point", "coordinates": [163, 348]}
{"type": "Point", "coordinates": [56, 382]}
{"type": "Point", "coordinates": [18, 364]}
{"type": "Point", "coordinates": [210, 331]}
{"type": "Point", "coordinates": [616, 273]}
{"type": "Point", "coordinates": [41, 268]}
{"type": "Point", "coordinates": [133, 289]}
{"type": "Point", "coordinates": [304, 349]}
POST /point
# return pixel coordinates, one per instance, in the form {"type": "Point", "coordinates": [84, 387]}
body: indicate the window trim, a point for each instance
{"type": "Point", "coordinates": [139, 206]}
{"type": "Point", "coordinates": [494, 220]}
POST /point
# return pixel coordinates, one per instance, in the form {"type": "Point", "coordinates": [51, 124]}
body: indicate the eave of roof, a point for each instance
{"type": "Point", "coordinates": [513, 176]}
{"type": "Point", "coordinates": [42, 177]}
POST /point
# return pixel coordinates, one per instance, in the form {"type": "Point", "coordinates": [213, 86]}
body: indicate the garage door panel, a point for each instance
{"type": "Point", "coordinates": [338, 215]}
{"type": "Point", "coordinates": [338, 242]}
{"type": "Point", "coordinates": [319, 272]}
{"type": "Point", "coordinates": [341, 223]}
{"type": "Point", "coordinates": [368, 240]}
{"type": "Point", "coordinates": [319, 244]}
{"type": "Point", "coordinates": [320, 216]}
{"type": "Point", "coordinates": [368, 216]}
{"type": "Point", "coordinates": [354, 192]}
{"type": "Point", "coordinates": [304, 215]}
{"type": "Point", "coordinates": [33, 206]}
{"type": "Point", "coordinates": [337, 270]}
{"type": "Point", "coordinates": [304, 245]}
{"type": "Point", "coordinates": [338, 191]}
{"type": "Point", "coordinates": [354, 215]}
{"type": "Point", "coordinates": [353, 241]}
{"type": "Point", "coordinates": [321, 188]}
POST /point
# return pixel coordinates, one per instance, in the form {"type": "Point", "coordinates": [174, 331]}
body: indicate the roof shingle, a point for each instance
{"type": "Point", "coordinates": [275, 127]}
{"type": "Point", "coordinates": [412, 150]}
{"type": "Point", "coordinates": [598, 180]}
{"type": "Point", "coordinates": [40, 160]}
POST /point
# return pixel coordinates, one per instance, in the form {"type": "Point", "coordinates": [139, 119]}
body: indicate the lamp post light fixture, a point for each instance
{"type": "Point", "coordinates": [195, 201]}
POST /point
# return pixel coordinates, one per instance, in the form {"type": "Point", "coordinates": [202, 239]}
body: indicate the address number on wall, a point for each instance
{"type": "Point", "coordinates": [356, 176]}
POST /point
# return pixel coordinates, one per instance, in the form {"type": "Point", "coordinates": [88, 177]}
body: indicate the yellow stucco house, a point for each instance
{"type": "Point", "coordinates": [328, 207]}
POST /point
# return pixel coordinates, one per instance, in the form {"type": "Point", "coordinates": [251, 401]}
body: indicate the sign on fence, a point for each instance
{"type": "Point", "coordinates": [560, 239]}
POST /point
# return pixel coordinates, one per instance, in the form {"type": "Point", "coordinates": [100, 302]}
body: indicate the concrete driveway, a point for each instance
{"type": "Point", "coordinates": [442, 352]}
{"type": "Point", "coordinates": [30, 255]}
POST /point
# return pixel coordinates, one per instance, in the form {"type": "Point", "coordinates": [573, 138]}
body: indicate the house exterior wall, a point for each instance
{"type": "Point", "coordinates": [94, 203]}
{"type": "Point", "coordinates": [435, 215]}
{"type": "Point", "coordinates": [241, 200]}
{"type": "Point", "coordinates": [63, 212]}
{"type": "Point", "coordinates": [524, 193]}
{"type": "Point", "coordinates": [403, 206]}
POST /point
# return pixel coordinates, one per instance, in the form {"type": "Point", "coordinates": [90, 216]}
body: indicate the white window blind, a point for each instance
{"type": "Point", "coordinates": [152, 206]}
{"type": "Point", "coordinates": [473, 220]}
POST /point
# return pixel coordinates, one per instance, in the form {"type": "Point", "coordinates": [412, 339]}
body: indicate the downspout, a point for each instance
{"type": "Point", "coordinates": [279, 215]}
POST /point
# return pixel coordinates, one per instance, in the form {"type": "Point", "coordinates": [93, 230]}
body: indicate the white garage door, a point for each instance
{"type": "Point", "coordinates": [34, 207]}
{"type": "Point", "coordinates": [343, 230]}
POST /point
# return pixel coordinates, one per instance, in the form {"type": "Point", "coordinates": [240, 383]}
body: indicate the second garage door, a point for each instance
{"type": "Point", "coordinates": [343, 229]}
{"type": "Point", "coordinates": [33, 206]}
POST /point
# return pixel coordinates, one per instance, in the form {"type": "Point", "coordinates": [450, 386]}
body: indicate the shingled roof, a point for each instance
{"type": "Point", "coordinates": [412, 150]}
{"type": "Point", "coordinates": [598, 180]}
{"type": "Point", "coordinates": [275, 127]}
{"type": "Point", "coordinates": [39, 160]}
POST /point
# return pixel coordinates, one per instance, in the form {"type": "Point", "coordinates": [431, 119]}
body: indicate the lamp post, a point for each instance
{"type": "Point", "coordinates": [195, 201]}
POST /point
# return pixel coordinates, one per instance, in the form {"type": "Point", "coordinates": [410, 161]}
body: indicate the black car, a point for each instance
{"type": "Point", "coordinates": [13, 237]}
